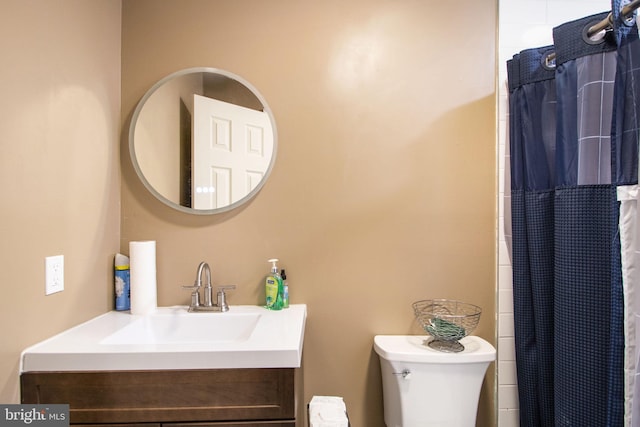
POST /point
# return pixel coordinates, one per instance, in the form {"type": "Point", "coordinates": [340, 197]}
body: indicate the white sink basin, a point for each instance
{"type": "Point", "coordinates": [172, 338]}
{"type": "Point", "coordinates": [169, 328]}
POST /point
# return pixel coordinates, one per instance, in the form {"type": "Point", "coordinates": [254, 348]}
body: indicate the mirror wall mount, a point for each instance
{"type": "Point", "coordinates": [203, 140]}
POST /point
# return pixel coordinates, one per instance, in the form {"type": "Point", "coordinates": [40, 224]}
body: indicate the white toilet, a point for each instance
{"type": "Point", "coordinates": [426, 387]}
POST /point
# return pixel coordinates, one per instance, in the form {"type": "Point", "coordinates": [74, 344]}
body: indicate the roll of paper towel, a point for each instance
{"type": "Point", "coordinates": [142, 271]}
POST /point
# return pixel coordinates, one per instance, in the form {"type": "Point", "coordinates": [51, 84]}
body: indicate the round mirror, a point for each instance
{"type": "Point", "coordinates": [203, 140]}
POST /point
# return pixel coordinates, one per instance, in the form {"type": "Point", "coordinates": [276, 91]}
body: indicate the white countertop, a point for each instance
{"type": "Point", "coordinates": [274, 339]}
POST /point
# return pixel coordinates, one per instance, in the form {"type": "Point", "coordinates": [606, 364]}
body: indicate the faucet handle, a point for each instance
{"type": "Point", "coordinates": [222, 297]}
{"type": "Point", "coordinates": [195, 294]}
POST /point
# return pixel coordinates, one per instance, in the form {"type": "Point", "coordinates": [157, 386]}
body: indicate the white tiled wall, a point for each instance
{"type": "Point", "coordinates": [523, 24]}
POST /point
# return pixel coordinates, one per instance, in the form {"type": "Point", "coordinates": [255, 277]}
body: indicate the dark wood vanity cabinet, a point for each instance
{"type": "Point", "coordinates": [170, 398]}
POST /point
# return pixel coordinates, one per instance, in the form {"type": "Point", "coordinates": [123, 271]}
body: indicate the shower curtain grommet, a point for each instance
{"type": "Point", "coordinates": [630, 20]}
{"type": "Point", "coordinates": [548, 60]}
{"type": "Point", "coordinates": [597, 38]}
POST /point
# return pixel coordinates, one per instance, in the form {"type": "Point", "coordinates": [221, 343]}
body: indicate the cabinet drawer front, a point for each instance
{"type": "Point", "coordinates": [166, 396]}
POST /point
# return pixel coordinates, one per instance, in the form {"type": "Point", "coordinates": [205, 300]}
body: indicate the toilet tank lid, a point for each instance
{"type": "Point", "coordinates": [414, 348]}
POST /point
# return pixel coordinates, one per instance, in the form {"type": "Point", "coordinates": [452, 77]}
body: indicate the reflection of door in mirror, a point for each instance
{"type": "Point", "coordinates": [232, 149]}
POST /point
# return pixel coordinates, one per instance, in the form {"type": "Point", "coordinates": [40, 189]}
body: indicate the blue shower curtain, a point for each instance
{"type": "Point", "coordinates": [532, 146]}
{"type": "Point", "coordinates": [573, 140]}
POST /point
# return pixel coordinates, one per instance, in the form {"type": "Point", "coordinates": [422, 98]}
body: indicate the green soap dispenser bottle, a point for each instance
{"type": "Point", "coordinates": [274, 289]}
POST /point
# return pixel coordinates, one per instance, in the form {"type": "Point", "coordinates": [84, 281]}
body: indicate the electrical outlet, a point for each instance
{"type": "Point", "coordinates": [54, 274]}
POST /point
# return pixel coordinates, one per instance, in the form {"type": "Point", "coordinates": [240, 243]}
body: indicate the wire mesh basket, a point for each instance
{"type": "Point", "coordinates": [447, 321]}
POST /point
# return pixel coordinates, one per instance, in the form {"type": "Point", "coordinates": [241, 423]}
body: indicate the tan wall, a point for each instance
{"type": "Point", "coordinates": [59, 167]}
{"type": "Point", "coordinates": [384, 189]}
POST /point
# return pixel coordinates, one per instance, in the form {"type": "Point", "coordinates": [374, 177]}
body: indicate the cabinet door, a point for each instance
{"type": "Point", "coordinates": [166, 396]}
{"type": "Point", "coordinates": [237, 424]}
{"type": "Point", "coordinates": [118, 425]}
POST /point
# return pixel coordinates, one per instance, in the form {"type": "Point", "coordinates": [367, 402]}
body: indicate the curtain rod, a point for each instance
{"type": "Point", "coordinates": [605, 24]}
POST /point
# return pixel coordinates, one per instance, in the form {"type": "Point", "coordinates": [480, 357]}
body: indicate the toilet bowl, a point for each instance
{"type": "Point", "coordinates": [426, 387]}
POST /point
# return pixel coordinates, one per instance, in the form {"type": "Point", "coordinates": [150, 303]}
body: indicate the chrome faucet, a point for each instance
{"type": "Point", "coordinates": [208, 305]}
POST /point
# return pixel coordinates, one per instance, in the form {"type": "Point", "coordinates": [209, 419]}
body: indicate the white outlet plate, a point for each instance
{"type": "Point", "coordinates": [54, 274]}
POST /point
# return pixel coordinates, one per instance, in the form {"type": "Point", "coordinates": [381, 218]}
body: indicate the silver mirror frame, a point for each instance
{"type": "Point", "coordinates": [149, 186]}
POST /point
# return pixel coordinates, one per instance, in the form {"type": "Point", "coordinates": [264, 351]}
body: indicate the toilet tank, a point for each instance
{"type": "Point", "coordinates": [425, 387]}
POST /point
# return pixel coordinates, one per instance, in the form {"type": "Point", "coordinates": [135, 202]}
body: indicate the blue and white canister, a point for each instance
{"type": "Point", "coordinates": [122, 282]}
